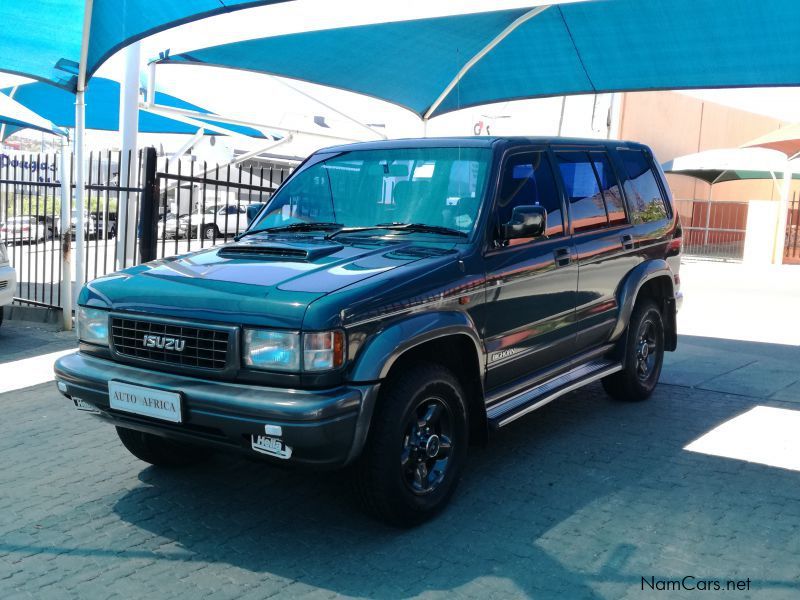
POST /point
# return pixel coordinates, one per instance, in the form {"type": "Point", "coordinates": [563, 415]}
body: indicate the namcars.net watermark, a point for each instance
{"type": "Point", "coordinates": [691, 583]}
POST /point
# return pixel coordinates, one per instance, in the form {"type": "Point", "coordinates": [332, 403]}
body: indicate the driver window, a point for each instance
{"type": "Point", "coordinates": [528, 179]}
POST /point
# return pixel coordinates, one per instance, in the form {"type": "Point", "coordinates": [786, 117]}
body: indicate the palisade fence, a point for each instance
{"type": "Point", "coordinates": [791, 254]}
{"type": "Point", "coordinates": [176, 206]}
{"type": "Point", "coordinates": [713, 229]}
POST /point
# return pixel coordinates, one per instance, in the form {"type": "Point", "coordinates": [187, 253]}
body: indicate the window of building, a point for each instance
{"type": "Point", "coordinates": [641, 188]}
{"type": "Point", "coordinates": [528, 181]}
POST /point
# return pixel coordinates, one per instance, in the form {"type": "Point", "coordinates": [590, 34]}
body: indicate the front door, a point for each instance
{"type": "Point", "coordinates": [531, 283]}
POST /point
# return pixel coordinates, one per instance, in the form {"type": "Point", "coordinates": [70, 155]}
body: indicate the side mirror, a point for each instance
{"type": "Point", "coordinates": [253, 210]}
{"type": "Point", "coordinates": [526, 222]}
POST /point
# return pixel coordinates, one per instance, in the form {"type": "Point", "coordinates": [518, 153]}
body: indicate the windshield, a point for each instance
{"type": "Point", "coordinates": [439, 187]}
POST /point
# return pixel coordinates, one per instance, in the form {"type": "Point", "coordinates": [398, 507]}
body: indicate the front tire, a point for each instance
{"type": "Point", "coordinates": [644, 355]}
{"type": "Point", "coordinates": [160, 451]}
{"type": "Point", "coordinates": [417, 446]}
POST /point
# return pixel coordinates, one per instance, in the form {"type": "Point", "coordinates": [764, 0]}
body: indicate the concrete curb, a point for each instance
{"type": "Point", "coordinates": [40, 315]}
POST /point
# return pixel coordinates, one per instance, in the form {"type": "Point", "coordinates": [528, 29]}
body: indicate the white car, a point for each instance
{"type": "Point", "coordinates": [218, 221]}
{"type": "Point", "coordinates": [8, 280]}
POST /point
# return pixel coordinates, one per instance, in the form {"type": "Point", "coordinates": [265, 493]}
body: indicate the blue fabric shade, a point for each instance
{"type": "Point", "coordinates": [102, 109]}
{"type": "Point", "coordinates": [583, 47]}
{"type": "Point", "coordinates": [14, 116]}
{"type": "Point", "coordinates": [42, 39]}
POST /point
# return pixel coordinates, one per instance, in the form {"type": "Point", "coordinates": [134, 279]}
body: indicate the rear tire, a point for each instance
{"type": "Point", "coordinates": [160, 451]}
{"type": "Point", "coordinates": [644, 355]}
{"type": "Point", "coordinates": [417, 446]}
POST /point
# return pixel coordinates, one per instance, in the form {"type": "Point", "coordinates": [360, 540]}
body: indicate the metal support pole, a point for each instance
{"type": "Point", "coordinates": [148, 208]}
{"type": "Point", "coordinates": [80, 187]}
{"type": "Point", "coordinates": [783, 210]}
{"type": "Point", "coordinates": [66, 236]}
{"type": "Point", "coordinates": [129, 127]}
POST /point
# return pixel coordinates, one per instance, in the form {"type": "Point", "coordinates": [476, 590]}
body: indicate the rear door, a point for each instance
{"type": "Point", "coordinates": [603, 238]}
{"type": "Point", "coordinates": [531, 283]}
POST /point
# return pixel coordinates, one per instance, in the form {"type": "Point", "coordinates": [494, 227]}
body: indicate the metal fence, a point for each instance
{"type": "Point", "coordinates": [791, 253]}
{"type": "Point", "coordinates": [714, 230]}
{"type": "Point", "coordinates": [175, 196]}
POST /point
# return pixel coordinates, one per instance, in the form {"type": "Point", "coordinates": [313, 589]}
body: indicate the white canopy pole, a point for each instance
{"type": "Point", "coordinates": [80, 127]}
{"type": "Point", "coordinates": [483, 52]}
{"type": "Point", "coordinates": [783, 209]}
{"type": "Point", "coordinates": [128, 164]}
{"type": "Point", "coordinates": [65, 230]}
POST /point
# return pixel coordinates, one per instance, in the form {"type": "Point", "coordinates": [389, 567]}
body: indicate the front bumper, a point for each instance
{"type": "Point", "coordinates": [8, 276]}
{"type": "Point", "coordinates": [323, 427]}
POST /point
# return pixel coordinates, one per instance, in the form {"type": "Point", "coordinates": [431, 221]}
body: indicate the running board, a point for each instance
{"type": "Point", "coordinates": [521, 404]}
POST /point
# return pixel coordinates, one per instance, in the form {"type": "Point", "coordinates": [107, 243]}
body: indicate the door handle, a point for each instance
{"type": "Point", "coordinates": [563, 256]}
{"type": "Point", "coordinates": [627, 242]}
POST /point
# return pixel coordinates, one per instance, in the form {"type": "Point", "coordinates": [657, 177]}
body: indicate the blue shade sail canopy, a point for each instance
{"type": "Point", "coordinates": [42, 40]}
{"type": "Point", "coordinates": [102, 109]}
{"type": "Point", "coordinates": [576, 48]}
{"type": "Point", "coordinates": [14, 116]}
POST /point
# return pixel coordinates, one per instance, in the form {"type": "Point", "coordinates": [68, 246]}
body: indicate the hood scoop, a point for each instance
{"type": "Point", "coordinates": [278, 251]}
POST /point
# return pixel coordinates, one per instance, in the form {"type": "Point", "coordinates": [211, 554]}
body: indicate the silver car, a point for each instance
{"type": "Point", "coordinates": [8, 280]}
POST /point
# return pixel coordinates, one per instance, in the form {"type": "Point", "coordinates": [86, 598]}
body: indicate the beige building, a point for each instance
{"type": "Point", "coordinates": [673, 125]}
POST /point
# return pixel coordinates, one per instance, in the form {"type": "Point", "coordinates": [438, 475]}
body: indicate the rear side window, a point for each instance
{"type": "Point", "coordinates": [615, 205]}
{"type": "Point", "coordinates": [528, 180]}
{"type": "Point", "coordinates": [582, 187]}
{"type": "Point", "coordinates": [641, 188]}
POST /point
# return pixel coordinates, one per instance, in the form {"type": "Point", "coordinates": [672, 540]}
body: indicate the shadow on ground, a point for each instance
{"type": "Point", "coordinates": [581, 500]}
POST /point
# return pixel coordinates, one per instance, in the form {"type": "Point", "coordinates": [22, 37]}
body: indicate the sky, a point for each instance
{"type": "Point", "coordinates": [263, 100]}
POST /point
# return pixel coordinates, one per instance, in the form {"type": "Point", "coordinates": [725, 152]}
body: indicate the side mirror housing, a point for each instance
{"type": "Point", "coordinates": [526, 221]}
{"type": "Point", "coordinates": [253, 210]}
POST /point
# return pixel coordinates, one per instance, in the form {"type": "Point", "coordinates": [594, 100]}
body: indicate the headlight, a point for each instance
{"type": "Point", "coordinates": [272, 350]}
{"type": "Point", "coordinates": [3, 254]}
{"type": "Point", "coordinates": [93, 325]}
{"type": "Point", "coordinates": [282, 351]}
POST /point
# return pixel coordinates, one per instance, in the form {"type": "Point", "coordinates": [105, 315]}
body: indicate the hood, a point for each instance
{"type": "Point", "coordinates": [266, 280]}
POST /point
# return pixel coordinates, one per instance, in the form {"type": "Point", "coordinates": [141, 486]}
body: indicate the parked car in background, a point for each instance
{"type": "Point", "coordinates": [392, 303]}
{"type": "Point", "coordinates": [171, 226]}
{"type": "Point", "coordinates": [91, 226]}
{"type": "Point", "coordinates": [8, 281]}
{"type": "Point", "coordinates": [27, 229]}
{"type": "Point", "coordinates": [218, 221]}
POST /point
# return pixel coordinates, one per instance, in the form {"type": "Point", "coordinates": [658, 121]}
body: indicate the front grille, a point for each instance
{"type": "Point", "coordinates": [201, 347]}
{"type": "Point", "coordinates": [3, 285]}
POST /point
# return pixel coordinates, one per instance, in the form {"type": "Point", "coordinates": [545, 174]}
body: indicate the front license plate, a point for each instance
{"type": "Point", "coordinates": [145, 401]}
{"type": "Point", "coordinates": [270, 445]}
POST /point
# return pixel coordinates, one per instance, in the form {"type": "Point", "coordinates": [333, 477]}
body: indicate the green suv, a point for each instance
{"type": "Point", "coordinates": [393, 303]}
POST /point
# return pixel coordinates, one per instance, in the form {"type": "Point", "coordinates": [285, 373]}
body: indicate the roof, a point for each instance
{"type": "Point", "coordinates": [479, 142]}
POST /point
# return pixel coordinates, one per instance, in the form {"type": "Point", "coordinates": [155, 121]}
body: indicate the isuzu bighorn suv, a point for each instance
{"type": "Point", "coordinates": [393, 302]}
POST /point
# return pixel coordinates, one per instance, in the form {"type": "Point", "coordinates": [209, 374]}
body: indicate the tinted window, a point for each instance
{"type": "Point", "coordinates": [528, 180]}
{"type": "Point", "coordinates": [586, 206]}
{"type": "Point", "coordinates": [615, 206]}
{"type": "Point", "coordinates": [642, 190]}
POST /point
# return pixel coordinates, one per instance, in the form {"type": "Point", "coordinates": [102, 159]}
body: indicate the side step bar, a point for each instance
{"type": "Point", "coordinates": [521, 404]}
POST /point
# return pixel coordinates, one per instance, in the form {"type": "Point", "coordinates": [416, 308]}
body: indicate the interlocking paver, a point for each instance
{"type": "Point", "coordinates": [580, 500]}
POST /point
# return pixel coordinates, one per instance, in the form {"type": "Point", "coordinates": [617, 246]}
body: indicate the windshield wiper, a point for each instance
{"type": "Point", "coordinates": [322, 226]}
{"type": "Point", "coordinates": [421, 227]}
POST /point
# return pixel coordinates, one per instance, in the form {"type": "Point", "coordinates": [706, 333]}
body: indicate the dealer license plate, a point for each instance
{"type": "Point", "coordinates": [145, 401]}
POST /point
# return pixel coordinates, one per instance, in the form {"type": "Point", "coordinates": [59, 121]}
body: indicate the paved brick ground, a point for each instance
{"type": "Point", "coordinates": [581, 500]}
